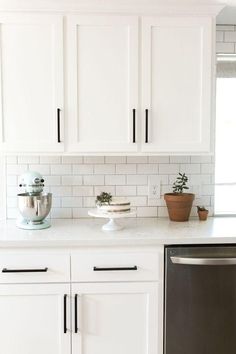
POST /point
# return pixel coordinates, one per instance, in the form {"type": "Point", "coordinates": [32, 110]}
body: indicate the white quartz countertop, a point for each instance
{"type": "Point", "coordinates": [136, 232]}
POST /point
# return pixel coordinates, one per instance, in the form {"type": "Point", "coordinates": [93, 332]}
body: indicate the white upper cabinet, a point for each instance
{"type": "Point", "coordinates": [31, 68]}
{"type": "Point", "coordinates": [102, 86]}
{"type": "Point", "coordinates": [177, 55]}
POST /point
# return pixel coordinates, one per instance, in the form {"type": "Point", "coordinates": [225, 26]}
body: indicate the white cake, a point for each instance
{"type": "Point", "coordinates": [116, 206]}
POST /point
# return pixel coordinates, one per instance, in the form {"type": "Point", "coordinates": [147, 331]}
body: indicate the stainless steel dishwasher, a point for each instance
{"type": "Point", "coordinates": [200, 300]}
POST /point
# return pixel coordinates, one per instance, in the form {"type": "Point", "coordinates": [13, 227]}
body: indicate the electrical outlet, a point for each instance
{"type": "Point", "coordinates": [154, 187]}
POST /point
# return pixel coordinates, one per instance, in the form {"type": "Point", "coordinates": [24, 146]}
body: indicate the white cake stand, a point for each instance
{"type": "Point", "coordinates": [111, 225]}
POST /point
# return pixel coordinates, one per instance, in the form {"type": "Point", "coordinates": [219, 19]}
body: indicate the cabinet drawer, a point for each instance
{"type": "Point", "coordinates": [34, 268]}
{"type": "Point", "coordinates": [115, 266]}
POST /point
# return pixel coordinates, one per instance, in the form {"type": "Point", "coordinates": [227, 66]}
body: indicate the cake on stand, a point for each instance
{"type": "Point", "coordinates": [112, 224]}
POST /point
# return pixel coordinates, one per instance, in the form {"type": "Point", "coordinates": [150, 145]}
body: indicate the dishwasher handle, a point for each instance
{"type": "Point", "coordinates": [202, 261]}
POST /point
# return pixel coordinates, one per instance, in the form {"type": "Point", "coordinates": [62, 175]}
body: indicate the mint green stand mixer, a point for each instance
{"type": "Point", "coordinates": [34, 205]}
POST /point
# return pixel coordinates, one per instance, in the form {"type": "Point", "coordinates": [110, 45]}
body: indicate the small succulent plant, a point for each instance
{"type": "Point", "coordinates": [201, 208]}
{"type": "Point", "coordinates": [103, 199]}
{"type": "Point", "coordinates": [180, 184]}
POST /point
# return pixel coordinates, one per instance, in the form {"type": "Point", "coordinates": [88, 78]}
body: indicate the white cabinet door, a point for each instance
{"type": "Point", "coordinates": [32, 319]}
{"type": "Point", "coordinates": [177, 84]}
{"type": "Point", "coordinates": [102, 87]}
{"type": "Point", "coordinates": [31, 69]}
{"type": "Point", "coordinates": [117, 318]}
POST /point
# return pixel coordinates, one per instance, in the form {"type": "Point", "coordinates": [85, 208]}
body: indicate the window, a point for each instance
{"type": "Point", "coordinates": [225, 154]}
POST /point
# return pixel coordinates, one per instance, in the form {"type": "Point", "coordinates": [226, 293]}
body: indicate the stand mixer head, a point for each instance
{"type": "Point", "coordinates": [33, 204]}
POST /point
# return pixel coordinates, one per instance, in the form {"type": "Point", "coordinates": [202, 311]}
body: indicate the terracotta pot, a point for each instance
{"type": "Point", "coordinates": [202, 214]}
{"type": "Point", "coordinates": [179, 205]}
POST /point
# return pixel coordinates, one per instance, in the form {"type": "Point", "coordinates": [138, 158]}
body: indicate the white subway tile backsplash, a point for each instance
{"type": "Point", "coordinates": [126, 191]}
{"type": "Point", "coordinates": [80, 213]}
{"type": "Point", "coordinates": [115, 159]}
{"type": "Point", "coordinates": [137, 180]}
{"type": "Point", "coordinates": [94, 159]}
{"type": "Point", "coordinates": [138, 201]}
{"type": "Point", "coordinates": [222, 47]}
{"type": "Point", "coordinates": [89, 202]}
{"type": "Point", "coordinates": [50, 159]}
{"type": "Point", "coordinates": [207, 168]}
{"type": "Point", "coordinates": [137, 159]}
{"type": "Point", "coordinates": [62, 213]}
{"type": "Point", "coordinates": [108, 189]}
{"type": "Point", "coordinates": [179, 159]}
{"type": "Point", "coordinates": [43, 169]}
{"type": "Point", "coordinates": [95, 180]}
{"type": "Point", "coordinates": [230, 36]}
{"type": "Point", "coordinates": [162, 212]}
{"type": "Point", "coordinates": [72, 159]}
{"type": "Point", "coordinates": [104, 169]}
{"type": "Point", "coordinates": [61, 169]}
{"type": "Point", "coordinates": [148, 169]}
{"type": "Point", "coordinates": [201, 159]}
{"type": "Point", "coordinates": [52, 180]}
{"type": "Point", "coordinates": [71, 180]}
{"type": "Point", "coordinates": [71, 202]}
{"type": "Point", "coordinates": [28, 159]}
{"type": "Point", "coordinates": [75, 181]}
{"type": "Point", "coordinates": [190, 168]}
{"type": "Point", "coordinates": [61, 191]}
{"type": "Point", "coordinates": [146, 212]}
{"type": "Point", "coordinates": [158, 159]}
{"type": "Point", "coordinates": [115, 180]}
{"type": "Point", "coordinates": [12, 181]}
{"type": "Point", "coordinates": [142, 190]}
{"type": "Point", "coordinates": [83, 191]}
{"type": "Point", "coordinates": [219, 36]}
{"type": "Point", "coordinates": [82, 169]}
{"type": "Point", "coordinates": [11, 160]}
{"type": "Point", "coordinates": [126, 169]}
{"type": "Point", "coordinates": [169, 168]}
{"type": "Point", "coordinates": [11, 202]}
{"type": "Point", "coordinates": [16, 169]}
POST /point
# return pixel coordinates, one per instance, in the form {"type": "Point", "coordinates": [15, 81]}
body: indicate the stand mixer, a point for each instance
{"type": "Point", "coordinates": [33, 204]}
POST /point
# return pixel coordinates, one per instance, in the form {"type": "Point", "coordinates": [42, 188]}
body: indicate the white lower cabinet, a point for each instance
{"type": "Point", "coordinates": [32, 319]}
{"type": "Point", "coordinates": [112, 305]}
{"type": "Point", "coordinates": [117, 318]}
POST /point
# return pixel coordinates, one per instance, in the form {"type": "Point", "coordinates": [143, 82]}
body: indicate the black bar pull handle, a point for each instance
{"type": "Point", "coordinates": [58, 125]}
{"type": "Point", "coordinates": [134, 125]}
{"type": "Point", "coordinates": [110, 269]}
{"type": "Point", "coordinates": [146, 125]}
{"type": "Point", "coordinates": [30, 270]}
{"type": "Point", "coordinates": [76, 313]}
{"type": "Point", "coordinates": [65, 313]}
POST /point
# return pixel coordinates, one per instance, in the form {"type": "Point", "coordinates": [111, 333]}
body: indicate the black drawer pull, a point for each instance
{"type": "Point", "coordinates": [134, 126]}
{"type": "Point", "coordinates": [37, 270]}
{"type": "Point", "coordinates": [146, 125]}
{"type": "Point", "coordinates": [76, 313]}
{"type": "Point", "coordinates": [108, 269]}
{"type": "Point", "coordinates": [65, 313]}
{"type": "Point", "coordinates": [58, 125]}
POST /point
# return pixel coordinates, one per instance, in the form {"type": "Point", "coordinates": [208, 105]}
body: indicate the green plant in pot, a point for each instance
{"type": "Point", "coordinates": [202, 212]}
{"type": "Point", "coordinates": [179, 203]}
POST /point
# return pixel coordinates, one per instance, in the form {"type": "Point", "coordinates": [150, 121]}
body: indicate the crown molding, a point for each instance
{"type": "Point", "coordinates": [149, 7]}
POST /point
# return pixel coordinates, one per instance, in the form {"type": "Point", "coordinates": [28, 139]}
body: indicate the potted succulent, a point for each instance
{"type": "Point", "coordinates": [202, 212]}
{"type": "Point", "coordinates": [178, 203]}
